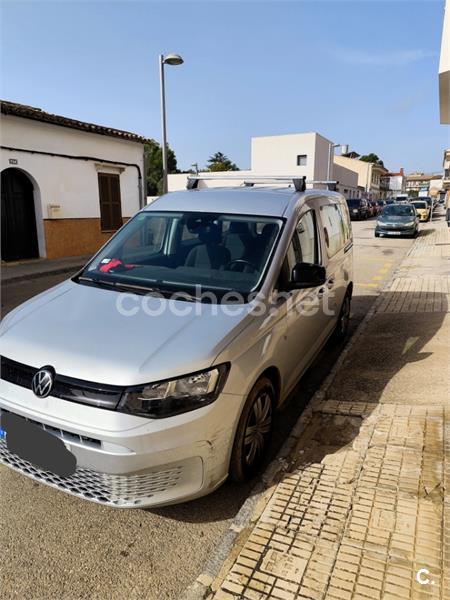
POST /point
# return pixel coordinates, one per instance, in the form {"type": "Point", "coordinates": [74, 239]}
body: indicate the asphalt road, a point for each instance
{"type": "Point", "coordinates": [57, 546]}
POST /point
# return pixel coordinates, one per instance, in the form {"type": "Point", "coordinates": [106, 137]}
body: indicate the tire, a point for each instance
{"type": "Point", "coordinates": [247, 458]}
{"type": "Point", "coordinates": [341, 330]}
{"type": "Point", "coordinates": [377, 234]}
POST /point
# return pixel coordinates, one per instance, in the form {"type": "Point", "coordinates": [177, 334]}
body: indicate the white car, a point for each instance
{"type": "Point", "coordinates": [153, 374]}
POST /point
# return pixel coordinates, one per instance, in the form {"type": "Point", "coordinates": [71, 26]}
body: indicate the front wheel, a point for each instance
{"type": "Point", "coordinates": [341, 331]}
{"type": "Point", "coordinates": [253, 431]}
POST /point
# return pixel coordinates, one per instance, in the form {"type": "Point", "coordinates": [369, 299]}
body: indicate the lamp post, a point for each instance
{"type": "Point", "coordinates": [173, 60]}
{"type": "Point", "coordinates": [344, 150]}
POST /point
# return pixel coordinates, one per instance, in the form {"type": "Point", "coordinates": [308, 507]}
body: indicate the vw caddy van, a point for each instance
{"type": "Point", "coordinates": [153, 374]}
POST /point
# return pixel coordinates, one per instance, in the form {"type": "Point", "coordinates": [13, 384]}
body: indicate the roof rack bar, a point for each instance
{"type": "Point", "coordinates": [299, 183]}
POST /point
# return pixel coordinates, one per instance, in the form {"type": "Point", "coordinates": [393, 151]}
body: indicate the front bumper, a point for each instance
{"type": "Point", "coordinates": [127, 461]}
{"type": "Point", "coordinates": [395, 231]}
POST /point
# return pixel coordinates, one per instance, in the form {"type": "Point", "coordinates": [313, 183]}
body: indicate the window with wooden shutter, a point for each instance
{"type": "Point", "coordinates": [110, 203]}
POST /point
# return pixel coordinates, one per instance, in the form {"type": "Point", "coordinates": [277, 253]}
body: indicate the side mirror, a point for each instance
{"type": "Point", "coordinates": [307, 275]}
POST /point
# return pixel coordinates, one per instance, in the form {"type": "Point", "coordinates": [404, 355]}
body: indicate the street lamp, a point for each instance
{"type": "Point", "coordinates": [172, 60]}
{"type": "Point", "coordinates": [344, 150]}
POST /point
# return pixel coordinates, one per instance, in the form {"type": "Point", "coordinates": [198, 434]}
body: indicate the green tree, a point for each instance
{"type": "Point", "coordinates": [220, 162]}
{"type": "Point", "coordinates": [372, 158]}
{"type": "Point", "coordinates": [154, 169]}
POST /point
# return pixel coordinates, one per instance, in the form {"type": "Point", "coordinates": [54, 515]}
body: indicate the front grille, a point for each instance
{"type": "Point", "coordinates": [62, 434]}
{"type": "Point", "coordinates": [67, 388]}
{"type": "Point", "coordinates": [125, 491]}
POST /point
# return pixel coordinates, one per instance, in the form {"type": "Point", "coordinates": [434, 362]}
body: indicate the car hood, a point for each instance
{"type": "Point", "coordinates": [396, 220]}
{"type": "Point", "coordinates": [80, 331]}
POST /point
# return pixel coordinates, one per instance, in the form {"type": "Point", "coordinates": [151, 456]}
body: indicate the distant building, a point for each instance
{"type": "Point", "coordinates": [371, 176]}
{"type": "Point", "coordinates": [421, 183]}
{"type": "Point", "coordinates": [395, 183]}
{"type": "Point", "coordinates": [446, 171]}
{"type": "Point", "coordinates": [444, 68]}
{"type": "Point", "coordinates": [302, 154]}
{"type": "Point", "coordinates": [66, 185]}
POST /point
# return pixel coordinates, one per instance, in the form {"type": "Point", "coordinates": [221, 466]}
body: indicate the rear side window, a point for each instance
{"type": "Point", "coordinates": [333, 228]}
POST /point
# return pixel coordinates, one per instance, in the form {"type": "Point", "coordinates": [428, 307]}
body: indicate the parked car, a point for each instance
{"type": "Point", "coordinates": [153, 374]}
{"type": "Point", "coordinates": [398, 219]}
{"type": "Point", "coordinates": [422, 208]}
{"type": "Point", "coordinates": [381, 204]}
{"type": "Point", "coordinates": [390, 201]}
{"type": "Point", "coordinates": [358, 208]}
{"type": "Point", "coordinates": [426, 199]}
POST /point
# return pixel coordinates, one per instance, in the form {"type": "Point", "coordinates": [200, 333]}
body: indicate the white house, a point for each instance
{"type": "Point", "coordinates": [301, 154]}
{"type": "Point", "coordinates": [396, 182]}
{"type": "Point", "coordinates": [67, 185]}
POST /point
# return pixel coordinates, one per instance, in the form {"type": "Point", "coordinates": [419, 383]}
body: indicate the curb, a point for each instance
{"type": "Point", "coordinates": [36, 275]}
{"type": "Point", "coordinates": [222, 558]}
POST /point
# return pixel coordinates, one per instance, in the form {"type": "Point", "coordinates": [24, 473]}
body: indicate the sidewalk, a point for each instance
{"type": "Point", "coordinates": [364, 504]}
{"type": "Point", "coordinates": [30, 269]}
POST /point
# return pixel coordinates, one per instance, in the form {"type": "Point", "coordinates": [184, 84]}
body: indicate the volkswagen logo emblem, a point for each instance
{"type": "Point", "coordinates": [42, 382]}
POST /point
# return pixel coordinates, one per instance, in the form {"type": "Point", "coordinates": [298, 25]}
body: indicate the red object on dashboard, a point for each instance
{"type": "Point", "coordinates": [114, 262]}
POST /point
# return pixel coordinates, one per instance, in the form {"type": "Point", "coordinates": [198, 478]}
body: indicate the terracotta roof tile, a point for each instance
{"type": "Point", "coordinates": [37, 114]}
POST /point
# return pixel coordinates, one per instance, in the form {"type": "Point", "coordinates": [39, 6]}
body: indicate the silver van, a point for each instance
{"type": "Point", "coordinates": [153, 374]}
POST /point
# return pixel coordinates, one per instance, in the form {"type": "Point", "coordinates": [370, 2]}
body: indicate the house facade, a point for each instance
{"type": "Point", "coordinates": [395, 182]}
{"type": "Point", "coordinates": [67, 185]}
{"type": "Point", "coordinates": [371, 177]}
{"type": "Point", "coordinates": [425, 184]}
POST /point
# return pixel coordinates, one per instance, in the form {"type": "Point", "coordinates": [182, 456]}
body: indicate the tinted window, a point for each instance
{"type": "Point", "coordinates": [353, 203]}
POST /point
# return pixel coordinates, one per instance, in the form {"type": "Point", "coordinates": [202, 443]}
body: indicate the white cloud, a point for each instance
{"type": "Point", "coordinates": [397, 58]}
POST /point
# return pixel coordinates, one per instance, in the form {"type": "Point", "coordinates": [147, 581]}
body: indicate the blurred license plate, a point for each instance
{"type": "Point", "coordinates": [37, 446]}
{"type": "Point", "coordinates": [2, 434]}
{"type": "Point", "coordinates": [395, 232]}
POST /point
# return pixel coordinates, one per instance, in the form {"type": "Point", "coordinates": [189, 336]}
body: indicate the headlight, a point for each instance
{"type": "Point", "coordinates": [174, 396]}
{"type": "Point", "coordinates": [411, 224]}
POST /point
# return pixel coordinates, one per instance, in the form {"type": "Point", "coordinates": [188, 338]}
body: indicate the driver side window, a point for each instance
{"type": "Point", "coordinates": [304, 246]}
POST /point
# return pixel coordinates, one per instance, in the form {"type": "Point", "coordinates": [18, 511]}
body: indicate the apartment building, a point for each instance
{"type": "Point", "coordinates": [423, 183]}
{"type": "Point", "coordinates": [371, 177]}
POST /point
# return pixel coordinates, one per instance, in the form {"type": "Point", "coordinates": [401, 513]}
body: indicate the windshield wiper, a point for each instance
{"type": "Point", "coordinates": [119, 286]}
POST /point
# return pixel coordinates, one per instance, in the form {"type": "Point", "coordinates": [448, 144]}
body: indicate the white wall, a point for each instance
{"type": "Point", "coordinates": [277, 154]}
{"type": "Point", "coordinates": [71, 184]}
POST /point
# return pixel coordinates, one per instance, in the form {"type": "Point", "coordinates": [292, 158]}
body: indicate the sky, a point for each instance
{"type": "Point", "coordinates": [360, 73]}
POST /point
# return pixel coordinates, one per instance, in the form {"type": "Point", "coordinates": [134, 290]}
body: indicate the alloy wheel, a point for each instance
{"type": "Point", "coordinates": [258, 428]}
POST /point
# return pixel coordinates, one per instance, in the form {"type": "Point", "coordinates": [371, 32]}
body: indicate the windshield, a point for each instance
{"type": "Point", "coordinates": [399, 210]}
{"type": "Point", "coordinates": [179, 252]}
{"type": "Point", "coordinates": [353, 202]}
{"type": "Point", "coordinates": [420, 204]}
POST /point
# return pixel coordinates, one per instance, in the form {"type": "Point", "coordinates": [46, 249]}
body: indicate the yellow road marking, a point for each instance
{"type": "Point", "coordinates": [383, 270]}
{"type": "Point", "coordinates": [372, 285]}
{"type": "Point", "coordinates": [377, 278]}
